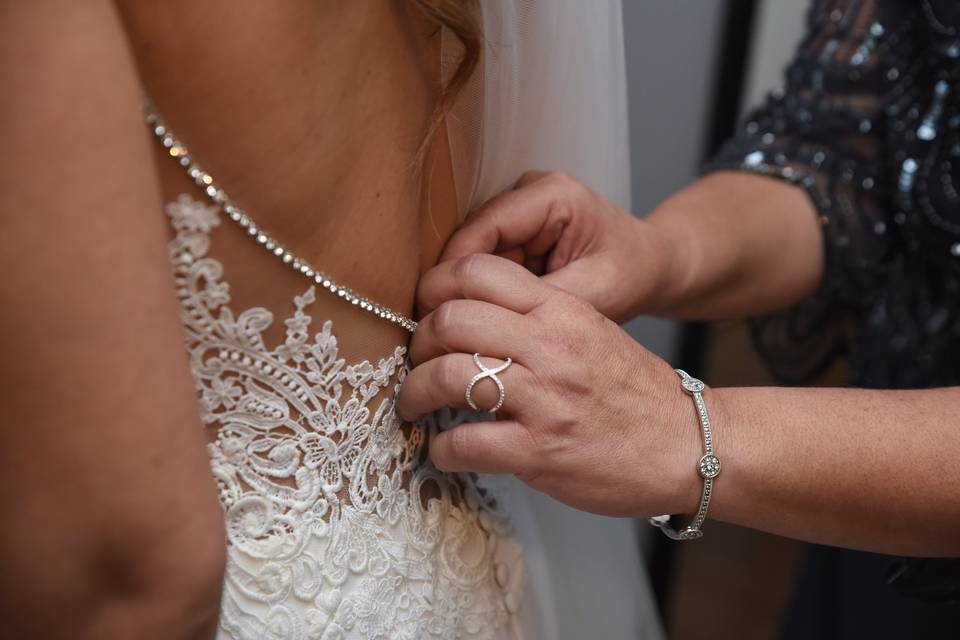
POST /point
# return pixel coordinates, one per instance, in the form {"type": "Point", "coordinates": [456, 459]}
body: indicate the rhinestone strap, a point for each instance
{"type": "Point", "coordinates": [178, 151]}
{"type": "Point", "coordinates": [708, 466]}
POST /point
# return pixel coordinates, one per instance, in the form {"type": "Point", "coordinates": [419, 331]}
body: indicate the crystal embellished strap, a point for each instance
{"type": "Point", "coordinates": [178, 151]}
{"type": "Point", "coordinates": [708, 466]}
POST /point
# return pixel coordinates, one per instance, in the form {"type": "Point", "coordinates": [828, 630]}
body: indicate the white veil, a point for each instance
{"type": "Point", "coordinates": [551, 94]}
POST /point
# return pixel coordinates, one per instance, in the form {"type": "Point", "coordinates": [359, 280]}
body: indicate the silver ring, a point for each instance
{"type": "Point", "coordinates": [486, 373]}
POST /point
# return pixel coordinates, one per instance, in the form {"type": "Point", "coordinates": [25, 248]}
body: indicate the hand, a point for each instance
{"type": "Point", "coordinates": [591, 417]}
{"type": "Point", "coordinates": [579, 241]}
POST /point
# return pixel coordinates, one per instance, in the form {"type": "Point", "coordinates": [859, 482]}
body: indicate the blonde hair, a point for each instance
{"type": "Point", "coordinates": [461, 18]}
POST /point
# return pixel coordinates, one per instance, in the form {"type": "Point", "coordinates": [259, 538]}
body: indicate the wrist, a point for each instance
{"type": "Point", "coordinates": [683, 482]}
{"type": "Point", "coordinates": [722, 405]}
{"type": "Point", "coordinates": [666, 257]}
{"type": "Point", "coordinates": [687, 480]}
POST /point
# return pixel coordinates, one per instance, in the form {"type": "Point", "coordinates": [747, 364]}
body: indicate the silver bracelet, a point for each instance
{"type": "Point", "coordinates": [708, 467]}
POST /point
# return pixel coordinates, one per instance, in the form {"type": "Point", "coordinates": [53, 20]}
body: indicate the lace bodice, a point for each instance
{"type": "Point", "coordinates": [337, 525]}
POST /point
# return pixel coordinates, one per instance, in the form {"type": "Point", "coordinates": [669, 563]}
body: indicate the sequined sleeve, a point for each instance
{"type": "Point", "coordinates": [868, 124]}
{"type": "Point", "coordinates": [825, 133]}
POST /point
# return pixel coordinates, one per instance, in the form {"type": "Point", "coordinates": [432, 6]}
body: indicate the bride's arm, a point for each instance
{"type": "Point", "coordinates": [111, 523]}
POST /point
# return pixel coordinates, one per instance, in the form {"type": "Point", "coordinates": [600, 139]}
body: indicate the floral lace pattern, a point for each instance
{"type": "Point", "coordinates": [337, 526]}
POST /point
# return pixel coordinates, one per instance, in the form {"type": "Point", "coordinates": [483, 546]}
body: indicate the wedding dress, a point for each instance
{"type": "Point", "coordinates": [327, 536]}
{"type": "Point", "coordinates": [337, 525]}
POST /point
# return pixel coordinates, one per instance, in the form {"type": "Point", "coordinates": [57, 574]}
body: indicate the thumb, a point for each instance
{"type": "Point", "coordinates": [526, 218]}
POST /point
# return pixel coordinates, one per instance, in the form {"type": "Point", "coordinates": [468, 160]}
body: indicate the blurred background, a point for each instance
{"type": "Point", "coordinates": [694, 69]}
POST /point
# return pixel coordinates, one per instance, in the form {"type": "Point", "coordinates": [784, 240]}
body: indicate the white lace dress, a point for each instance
{"type": "Point", "coordinates": [330, 534]}
{"type": "Point", "coordinates": [338, 527]}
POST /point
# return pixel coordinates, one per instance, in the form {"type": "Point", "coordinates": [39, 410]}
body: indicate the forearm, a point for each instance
{"type": "Point", "coordinates": [872, 470]}
{"type": "Point", "coordinates": [736, 245]}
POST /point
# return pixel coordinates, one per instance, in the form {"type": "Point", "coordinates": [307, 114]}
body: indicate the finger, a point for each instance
{"type": "Point", "coordinates": [528, 217]}
{"type": "Point", "coordinates": [482, 277]}
{"type": "Point", "coordinates": [471, 326]}
{"type": "Point", "coordinates": [442, 382]}
{"type": "Point", "coordinates": [504, 446]}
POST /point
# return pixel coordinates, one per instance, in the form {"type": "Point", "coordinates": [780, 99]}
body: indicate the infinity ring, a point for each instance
{"type": "Point", "coordinates": [486, 373]}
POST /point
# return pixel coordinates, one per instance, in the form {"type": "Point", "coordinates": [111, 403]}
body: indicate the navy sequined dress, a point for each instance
{"type": "Point", "coordinates": [868, 124]}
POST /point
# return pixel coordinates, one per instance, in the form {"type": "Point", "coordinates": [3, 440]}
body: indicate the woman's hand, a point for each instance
{"type": "Point", "coordinates": [730, 245]}
{"type": "Point", "coordinates": [579, 241]}
{"type": "Point", "coordinates": [590, 416]}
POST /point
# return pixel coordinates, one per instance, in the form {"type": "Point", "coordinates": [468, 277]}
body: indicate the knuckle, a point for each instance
{"type": "Point", "coordinates": [573, 327]}
{"type": "Point", "coordinates": [560, 343]}
{"type": "Point", "coordinates": [573, 190]}
{"type": "Point", "coordinates": [466, 267]}
{"type": "Point", "coordinates": [446, 372]}
{"type": "Point", "coordinates": [564, 179]}
{"type": "Point", "coordinates": [574, 306]}
{"type": "Point", "coordinates": [445, 320]}
{"type": "Point", "coordinates": [461, 443]}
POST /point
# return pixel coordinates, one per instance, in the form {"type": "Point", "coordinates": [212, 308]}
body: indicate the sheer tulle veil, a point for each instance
{"type": "Point", "coordinates": [550, 94]}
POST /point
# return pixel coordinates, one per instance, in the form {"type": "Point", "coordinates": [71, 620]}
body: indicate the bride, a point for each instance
{"type": "Point", "coordinates": [358, 135]}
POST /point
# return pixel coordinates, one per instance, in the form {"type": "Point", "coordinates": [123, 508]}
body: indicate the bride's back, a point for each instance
{"type": "Point", "coordinates": [310, 114]}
